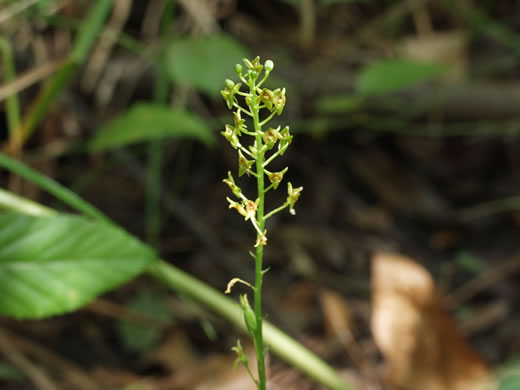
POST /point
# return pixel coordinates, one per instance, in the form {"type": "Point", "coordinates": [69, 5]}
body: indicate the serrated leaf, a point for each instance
{"type": "Point", "coordinates": [204, 62]}
{"type": "Point", "coordinates": [56, 264]}
{"type": "Point", "coordinates": [146, 122]}
{"type": "Point", "coordinates": [393, 75]}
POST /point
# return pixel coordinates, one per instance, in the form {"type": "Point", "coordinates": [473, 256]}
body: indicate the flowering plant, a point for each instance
{"type": "Point", "coordinates": [253, 160]}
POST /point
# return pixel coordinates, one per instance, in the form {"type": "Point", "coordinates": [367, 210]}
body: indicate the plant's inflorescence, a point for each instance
{"type": "Point", "coordinates": [254, 158]}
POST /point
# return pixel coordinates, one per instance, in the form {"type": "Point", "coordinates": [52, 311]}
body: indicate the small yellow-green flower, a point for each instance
{"type": "Point", "coordinates": [293, 194]}
{"type": "Point", "coordinates": [276, 177]}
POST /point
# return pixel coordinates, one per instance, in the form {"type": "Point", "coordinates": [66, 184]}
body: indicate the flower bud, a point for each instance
{"type": "Point", "coordinates": [238, 69]}
{"type": "Point", "coordinates": [231, 184]}
{"type": "Point", "coordinates": [269, 65]}
{"type": "Point", "coordinates": [229, 84]}
{"type": "Point", "coordinates": [249, 315]}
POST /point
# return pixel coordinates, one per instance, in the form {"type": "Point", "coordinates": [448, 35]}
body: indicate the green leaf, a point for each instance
{"type": "Point", "coordinates": [509, 375]}
{"type": "Point", "coordinates": [470, 263]}
{"type": "Point", "coordinates": [10, 373]}
{"type": "Point", "coordinates": [56, 264]}
{"type": "Point", "coordinates": [339, 104]}
{"type": "Point", "coordinates": [333, 2]}
{"type": "Point", "coordinates": [393, 75]}
{"type": "Point", "coordinates": [146, 122]}
{"type": "Point", "coordinates": [204, 62]}
{"type": "Point", "coordinates": [142, 338]}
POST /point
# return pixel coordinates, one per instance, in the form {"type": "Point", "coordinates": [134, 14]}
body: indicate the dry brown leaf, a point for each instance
{"type": "Point", "coordinates": [448, 48]}
{"type": "Point", "coordinates": [339, 324]}
{"type": "Point", "coordinates": [175, 352]}
{"type": "Point", "coordinates": [216, 372]}
{"type": "Point", "coordinates": [418, 338]}
{"type": "Point", "coordinates": [337, 315]}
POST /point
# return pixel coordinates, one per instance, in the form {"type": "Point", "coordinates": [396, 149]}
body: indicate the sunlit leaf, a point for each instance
{"type": "Point", "coordinates": [204, 62]}
{"type": "Point", "coordinates": [509, 375]}
{"type": "Point", "coordinates": [393, 75]}
{"type": "Point", "coordinates": [56, 264]}
{"type": "Point", "coordinates": [145, 122]}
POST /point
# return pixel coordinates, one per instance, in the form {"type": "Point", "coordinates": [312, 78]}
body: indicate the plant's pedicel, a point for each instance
{"type": "Point", "coordinates": [253, 159]}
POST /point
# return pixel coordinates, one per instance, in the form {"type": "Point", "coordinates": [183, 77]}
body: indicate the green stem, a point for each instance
{"type": "Point", "coordinates": [53, 187]}
{"type": "Point", "coordinates": [281, 344]}
{"type": "Point", "coordinates": [246, 151]}
{"type": "Point", "coordinates": [243, 110]}
{"type": "Point", "coordinates": [155, 148]}
{"type": "Point", "coordinates": [259, 274]}
{"type": "Point", "coordinates": [277, 210]}
{"type": "Point", "coordinates": [12, 103]}
{"type": "Point", "coordinates": [52, 88]}
{"type": "Point", "coordinates": [266, 75]}
{"type": "Point", "coordinates": [268, 118]}
{"type": "Point", "coordinates": [275, 154]}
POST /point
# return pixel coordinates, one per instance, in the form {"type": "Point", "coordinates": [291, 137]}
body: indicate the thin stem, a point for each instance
{"type": "Point", "coordinates": [268, 118]}
{"type": "Point", "coordinates": [245, 150]}
{"type": "Point", "coordinates": [51, 186]}
{"type": "Point", "coordinates": [268, 189]}
{"type": "Point", "coordinates": [155, 148]}
{"type": "Point", "coordinates": [258, 336]}
{"type": "Point", "coordinates": [266, 75]}
{"type": "Point", "coordinates": [251, 133]}
{"type": "Point", "coordinates": [273, 212]}
{"type": "Point", "coordinates": [281, 344]}
{"type": "Point", "coordinates": [86, 38]}
{"type": "Point", "coordinates": [275, 154]}
{"type": "Point", "coordinates": [251, 375]}
{"type": "Point", "coordinates": [243, 109]}
{"type": "Point", "coordinates": [12, 103]}
{"type": "Point", "coordinates": [255, 224]}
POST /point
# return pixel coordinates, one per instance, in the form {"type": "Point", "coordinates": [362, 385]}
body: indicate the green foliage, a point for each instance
{"type": "Point", "coordinates": [470, 263]}
{"type": "Point", "coordinates": [10, 373]}
{"type": "Point", "coordinates": [393, 75]}
{"type": "Point", "coordinates": [141, 337]}
{"type": "Point", "coordinates": [337, 104]}
{"type": "Point", "coordinates": [85, 39]}
{"type": "Point", "coordinates": [56, 264]}
{"type": "Point", "coordinates": [203, 62]}
{"type": "Point", "coordinates": [146, 122]}
{"type": "Point", "coordinates": [509, 376]}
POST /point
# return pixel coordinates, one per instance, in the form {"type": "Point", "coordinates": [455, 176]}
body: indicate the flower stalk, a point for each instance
{"type": "Point", "coordinates": [261, 143]}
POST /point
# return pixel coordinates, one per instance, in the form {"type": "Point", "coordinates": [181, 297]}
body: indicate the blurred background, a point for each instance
{"type": "Point", "coordinates": [405, 115]}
